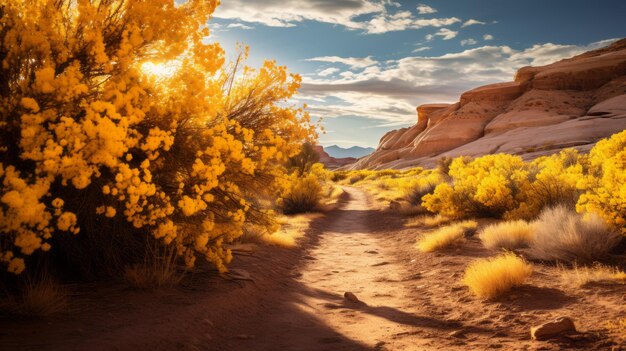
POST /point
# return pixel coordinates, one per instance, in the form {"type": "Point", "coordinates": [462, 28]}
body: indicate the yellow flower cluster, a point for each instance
{"type": "Point", "coordinates": [86, 132]}
{"type": "Point", "coordinates": [606, 182]}
{"type": "Point", "coordinates": [505, 186]}
{"type": "Point", "coordinates": [491, 185]}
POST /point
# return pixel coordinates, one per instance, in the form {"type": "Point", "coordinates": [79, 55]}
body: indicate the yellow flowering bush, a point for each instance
{"type": "Point", "coordinates": [87, 134]}
{"type": "Point", "coordinates": [492, 185]}
{"type": "Point", "coordinates": [606, 181]}
{"type": "Point", "coordinates": [303, 194]}
{"type": "Point", "coordinates": [554, 179]}
{"type": "Point", "coordinates": [505, 186]}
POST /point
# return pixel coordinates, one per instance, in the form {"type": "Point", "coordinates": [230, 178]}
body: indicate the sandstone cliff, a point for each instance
{"type": "Point", "coordinates": [570, 103]}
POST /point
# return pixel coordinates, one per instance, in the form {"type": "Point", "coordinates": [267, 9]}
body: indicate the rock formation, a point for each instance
{"type": "Point", "coordinates": [571, 103]}
{"type": "Point", "coordinates": [331, 162]}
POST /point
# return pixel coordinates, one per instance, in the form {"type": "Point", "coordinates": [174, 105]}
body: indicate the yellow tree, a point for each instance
{"type": "Point", "coordinates": [90, 138]}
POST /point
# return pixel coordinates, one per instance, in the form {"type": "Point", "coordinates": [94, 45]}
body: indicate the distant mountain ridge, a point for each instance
{"type": "Point", "coordinates": [354, 151]}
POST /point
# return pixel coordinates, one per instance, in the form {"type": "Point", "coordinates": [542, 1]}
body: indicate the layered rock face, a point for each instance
{"type": "Point", "coordinates": [570, 103]}
{"type": "Point", "coordinates": [332, 162]}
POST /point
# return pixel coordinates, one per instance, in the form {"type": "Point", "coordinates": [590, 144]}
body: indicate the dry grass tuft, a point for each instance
{"type": "Point", "coordinates": [413, 195]}
{"type": "Point", "coordinates": [582, 276]}
{"type": "Point", "coordinates": [286, 234]}
{"type": "Point", "coordinates": [446, 237]}
{"type": "Point", "coordinates": [507, 235]}
{"type": "Point", "coordinates": [158, 269]}
{"type": "Point", "coordinates": [331, 197]}
{"type": "Point", "coordinates": [427, 221]}
{"type": "Point", "coordinates": [566, 236]}
{"type": "Point", "coordinates": [41, 298]}
{"type": "Point", "coordinates": [407, 209]}
{"type": "Point", "coordinates": [292, 229]}
{"type": "Point", "coordinates": [491, 277]}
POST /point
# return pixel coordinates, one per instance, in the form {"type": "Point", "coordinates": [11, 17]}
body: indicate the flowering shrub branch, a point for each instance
{"type": "Point", "coordinates": [87, 135]}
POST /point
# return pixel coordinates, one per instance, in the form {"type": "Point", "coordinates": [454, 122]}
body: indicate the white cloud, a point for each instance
{"type": "Point", "coordinates": [436, 22]}
{"type": "Point", "coordinates": [404, 20]}
{"type": "Point", "coordinates": [239, 25]}
{"type": "Point", "coordinates": [469, 41]}
{"type": "Point", "coordinates": [328, 71]}
{"type": "Point", "coordinates": [423, 9]}
{"type": "Point", "coordinates": [488, 37]}
{"type": "Point", "coordinates": [471, 22]}
{"type": "Point", "coordinates": [391, 90]}
{"type": "Point", "coordinates": [355, 62]}
{"type": "Point", "coordinates": [543, 54]}
{"type": "Point", "coordinates": [348, 74]}
{"type": "Point", "coordinates": [420, 49]}
{"type": "Point", "coordinates": [444, 33]}
{"type": "Point", "coordinates": [280, 13]}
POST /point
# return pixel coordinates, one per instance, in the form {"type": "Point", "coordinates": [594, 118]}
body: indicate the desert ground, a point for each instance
{"type": "Point", "coordinates": [294, 300]}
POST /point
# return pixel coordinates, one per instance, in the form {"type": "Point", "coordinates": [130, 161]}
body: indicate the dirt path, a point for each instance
{"type": "Point", "coordinates": [349, 257]}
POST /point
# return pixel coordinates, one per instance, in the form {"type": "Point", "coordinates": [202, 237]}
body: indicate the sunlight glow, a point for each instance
{"type": "Point", "coordinates": [161, 70]}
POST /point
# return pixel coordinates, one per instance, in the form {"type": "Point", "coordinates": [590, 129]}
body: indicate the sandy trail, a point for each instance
{"type": "Point", "coordinates": [349, 257]}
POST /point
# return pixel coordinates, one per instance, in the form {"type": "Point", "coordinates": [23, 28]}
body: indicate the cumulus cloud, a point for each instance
{"type": "Point", "coordinates": [466, 42]}
{"type": "Point", "coordinates": [444, 33]}
{"type": "Point", "coordinates": [423, 48]}
{"type": "Point", "coordinates": [239, 25]}
{"type": "Point", "coordinates": [280, 13]}
{"type": "Point", "coordinates": [355, 62]}
{"type": "Point", "coordinates": [471, 22]}
{"type": "Point", "coordinates": [488, 37]}
{"type": "Point", "coordinates": [391, 90]}
{"type": "Point", "coordinates": [543, 54]}
{"type": "Point", "coordinates": [423, 9]}
{"type": "Point", "coordinates": [328, 71]}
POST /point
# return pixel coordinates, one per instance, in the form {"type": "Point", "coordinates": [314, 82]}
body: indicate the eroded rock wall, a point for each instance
{"type": "Point", "coordinates": [570, 103]}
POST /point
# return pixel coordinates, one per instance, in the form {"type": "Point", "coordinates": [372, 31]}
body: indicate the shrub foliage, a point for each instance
{"type": "Point", "coordinates": [606, 181]}
{"type": "Point", "coordinates": [95, 129]}
{"type": "Point", "coordinates": [505, 186]}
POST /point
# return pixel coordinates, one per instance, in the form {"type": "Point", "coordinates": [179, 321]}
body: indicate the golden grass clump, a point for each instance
{"type": "Point", "coordinates": [446, 237]}
{"type": "Point", "coordinates": [331, 197]}
{"type": "Point", "coordinates": [427, 221]}
{"type": "Point", "coordinates": [491, 277]}
{"type": "Point", "coordinates": [292, 228]}
{"type": "Point", "coordinates": [582, 276]}
{"type": "Point", "coordinates": [507, 235]}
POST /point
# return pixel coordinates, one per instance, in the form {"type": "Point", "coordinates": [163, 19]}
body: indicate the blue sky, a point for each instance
{"type": "Point", "coordinates": [366, 64]}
